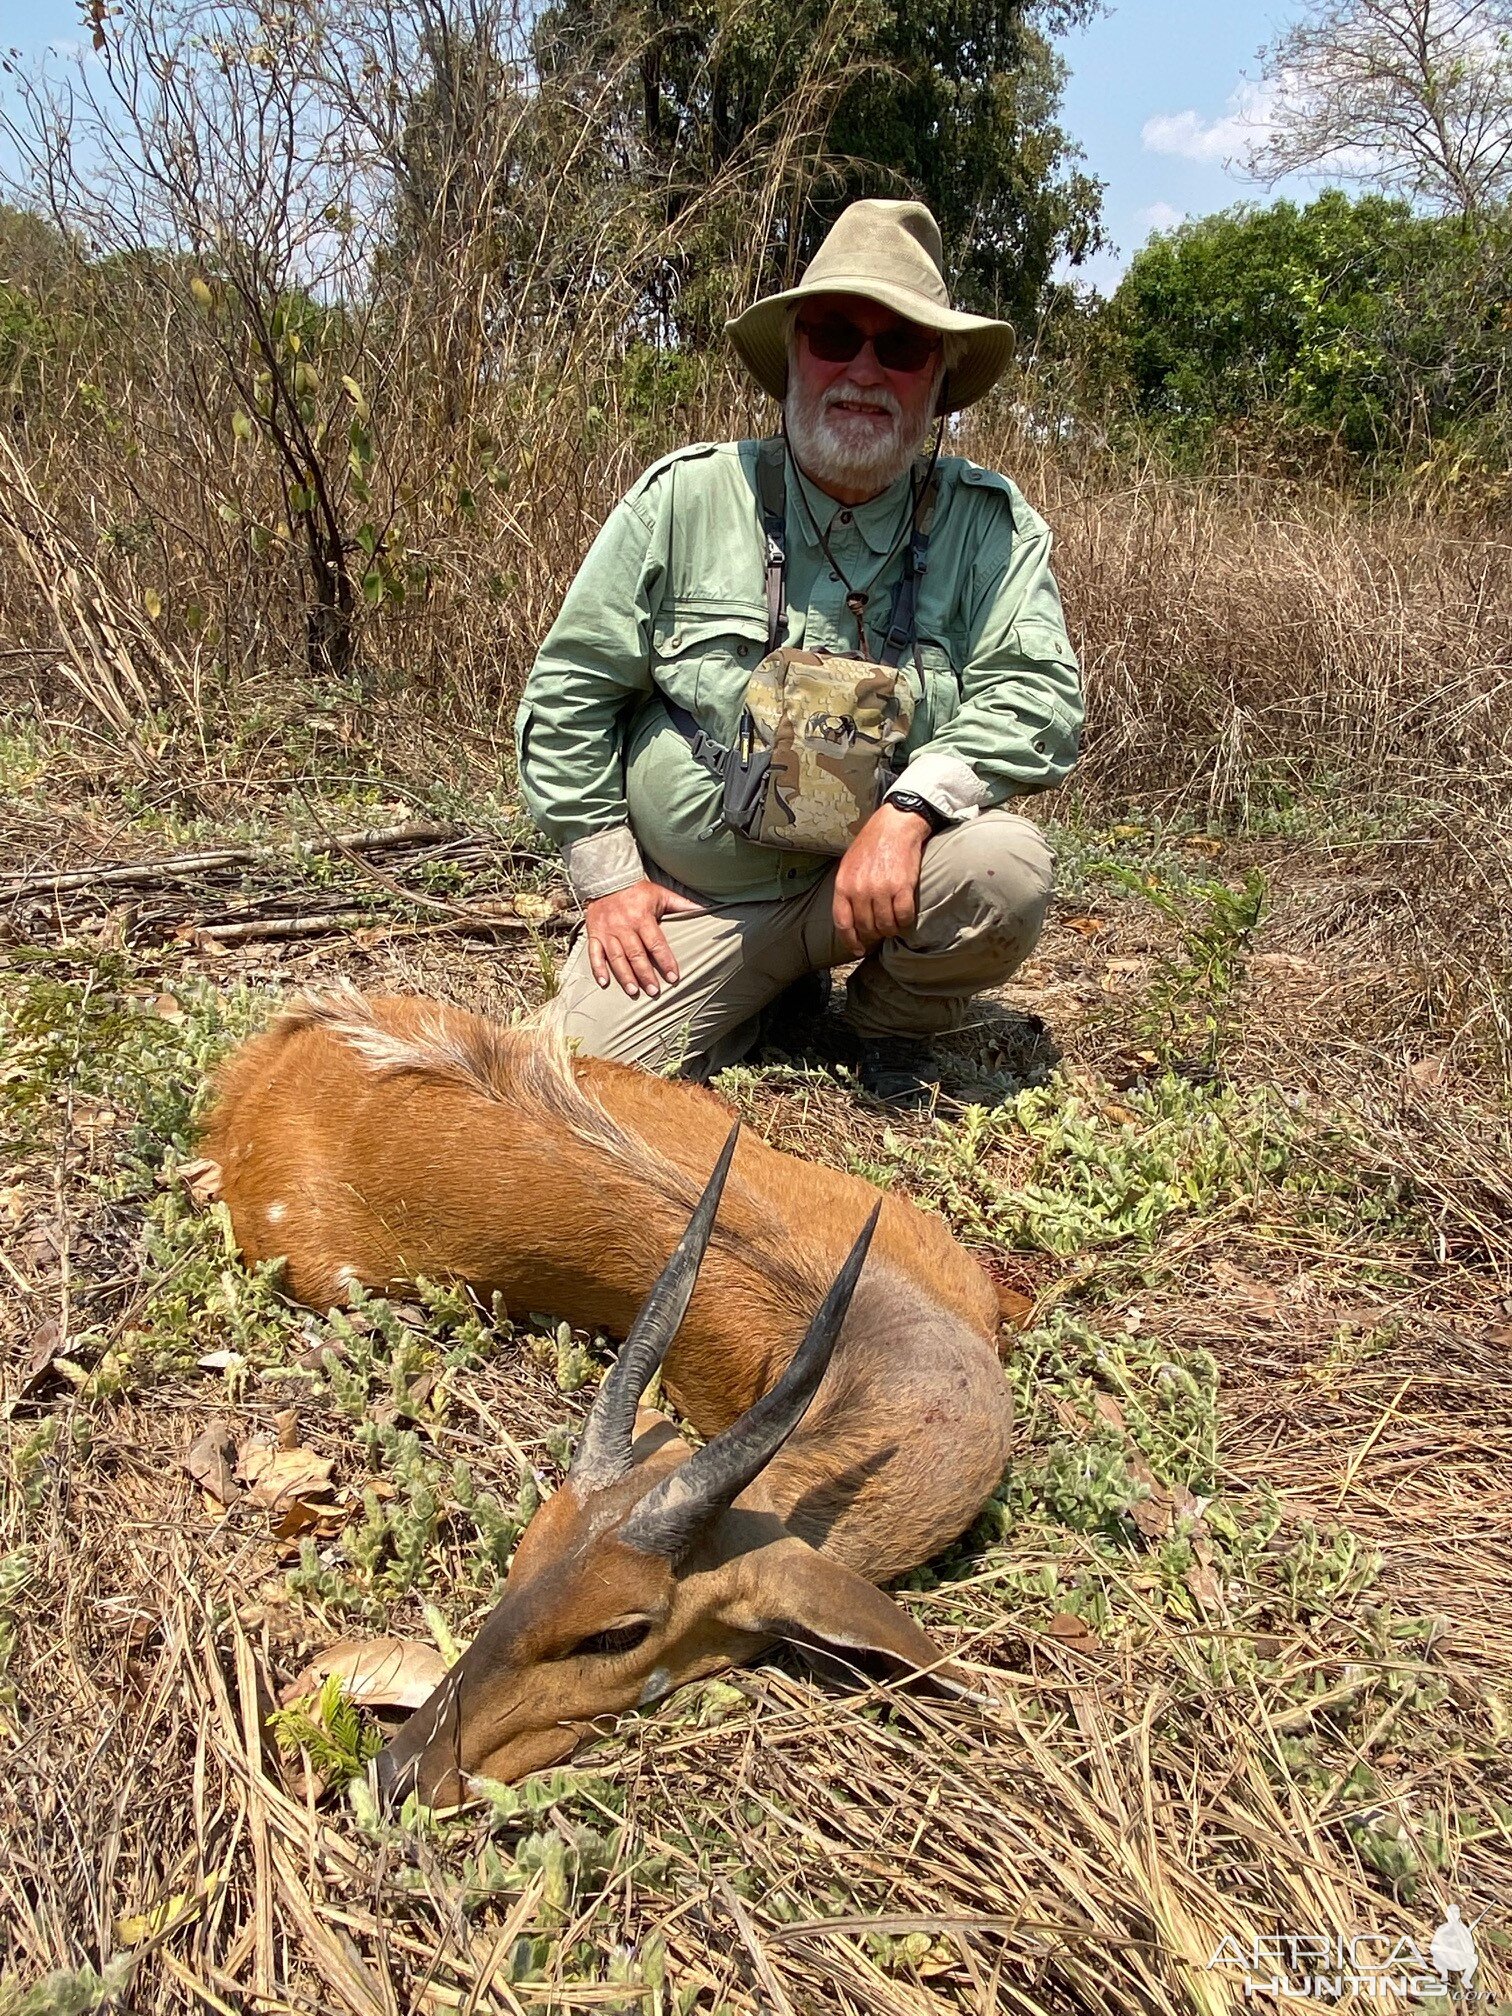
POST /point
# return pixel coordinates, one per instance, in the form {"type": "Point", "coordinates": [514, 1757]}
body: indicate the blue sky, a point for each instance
{"type": "Point", "coordinates": [1159, 96]}
{"type": "Point", "coordinates": [1156, 99]}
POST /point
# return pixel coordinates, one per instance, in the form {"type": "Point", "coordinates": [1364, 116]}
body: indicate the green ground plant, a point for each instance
{"type": "Point", "coordinates": [330, 1730]}
{"type": "Point", "coordinates": [1194, 991]}
{"type": "Point", "coordinates": [1073, 1166]}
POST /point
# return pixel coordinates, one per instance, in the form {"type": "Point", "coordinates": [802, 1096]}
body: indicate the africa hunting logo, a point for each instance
{"type": "Point", "coordinates": [1331, 1965]}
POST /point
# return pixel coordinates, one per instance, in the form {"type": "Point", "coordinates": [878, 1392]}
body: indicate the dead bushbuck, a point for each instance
{"type": "Point", "coordinates": [834, 1345]}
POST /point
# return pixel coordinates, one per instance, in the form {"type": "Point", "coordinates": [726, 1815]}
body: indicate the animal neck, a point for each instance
{"type": "Point", "coordinates": [908, 1434]}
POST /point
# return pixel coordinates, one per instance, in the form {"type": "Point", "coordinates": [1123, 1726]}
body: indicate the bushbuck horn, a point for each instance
{"type": "Point", "coordinates": [672, 1515]}
{"type": "Point", "coordinates": [603, 1455]}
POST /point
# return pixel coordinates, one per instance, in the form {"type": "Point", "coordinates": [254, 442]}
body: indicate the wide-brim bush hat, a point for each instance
{"type": "Point", "coordinates": [889, 253]}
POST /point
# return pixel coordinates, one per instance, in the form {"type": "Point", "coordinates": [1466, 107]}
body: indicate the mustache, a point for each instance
{"type": "Point", "coordinates": [871, 395]}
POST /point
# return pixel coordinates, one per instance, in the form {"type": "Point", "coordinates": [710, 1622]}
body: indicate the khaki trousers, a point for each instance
{"type": "Point", "coordinates": [983, 890]}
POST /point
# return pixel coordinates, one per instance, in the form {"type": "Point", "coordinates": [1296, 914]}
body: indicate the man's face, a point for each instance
{"type": "Point", "coordinates": [856, 423]}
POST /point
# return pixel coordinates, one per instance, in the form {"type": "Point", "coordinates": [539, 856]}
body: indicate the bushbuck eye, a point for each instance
{"type": "Point", "coordinates": [618, 1638]}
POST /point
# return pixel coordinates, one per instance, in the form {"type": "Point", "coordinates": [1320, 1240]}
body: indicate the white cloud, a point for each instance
{"type": "Point", "coordinates": [1245, 123]}
{"type": "Point", "coordinates": [1160, 217]}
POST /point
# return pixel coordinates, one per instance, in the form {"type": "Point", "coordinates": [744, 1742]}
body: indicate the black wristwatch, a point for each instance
{"type": "Point", "coordinates": [910, 801]}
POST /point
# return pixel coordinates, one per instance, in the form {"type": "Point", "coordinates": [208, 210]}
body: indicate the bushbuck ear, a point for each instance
{"type": "Point", "coordinates": [791, 1591]}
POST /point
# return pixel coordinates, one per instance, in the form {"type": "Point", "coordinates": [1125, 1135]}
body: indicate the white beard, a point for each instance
{"type": "Point", "coordinates": [849, 453]}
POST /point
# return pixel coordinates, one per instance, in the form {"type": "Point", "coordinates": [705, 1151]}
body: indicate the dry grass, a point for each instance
{"type": "Point", "coordinates": [1241, 1611]}
{"type": "Point", "coordinates": [1284, 663]}
{"type": "Point", "coordinates": [1309, 1736]}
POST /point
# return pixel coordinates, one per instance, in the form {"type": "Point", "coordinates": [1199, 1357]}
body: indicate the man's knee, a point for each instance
{"type": "Point", "coordinates": [995, 868]}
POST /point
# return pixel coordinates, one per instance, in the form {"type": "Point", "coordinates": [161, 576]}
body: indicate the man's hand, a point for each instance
{"type": "Point", "coordinates": [625, 937]}
{"type": "Point", "coordinates": [877, 885]}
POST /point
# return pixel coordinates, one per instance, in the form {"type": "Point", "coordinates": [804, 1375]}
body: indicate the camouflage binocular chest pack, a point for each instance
{"type": "Point", "coordinates": [821, 733]}
{"type": "Point", "coordinates": [818, 735]}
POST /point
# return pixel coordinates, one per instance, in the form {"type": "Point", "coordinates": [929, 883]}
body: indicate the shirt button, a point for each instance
{"type": "Point", "coordinates": [741, 650]}
{"type": "Point", "coordinates": [834, 576]}
{"type": "Point", "coordinates": [845, 517]}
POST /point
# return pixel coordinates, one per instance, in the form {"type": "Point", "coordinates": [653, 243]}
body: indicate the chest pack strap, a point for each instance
{"type": "Point", "coordinates": [771, 481]}
{"type": "Point", "coordinates": [902, 617]}
{"type": "Point", "coordinates": [902, 634]}
{"type": "Point", "coordinates": [902, 620]}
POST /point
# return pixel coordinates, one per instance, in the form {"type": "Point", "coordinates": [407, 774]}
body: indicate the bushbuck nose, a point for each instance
{"type": "Point", "coordinates": [385, 1777]}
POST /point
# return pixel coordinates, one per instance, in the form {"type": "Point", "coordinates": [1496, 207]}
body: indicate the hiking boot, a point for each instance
{"type": "Point", "coordinates": [790, 1022]}
{"type": "Point", "coordinates": [899, 1070]}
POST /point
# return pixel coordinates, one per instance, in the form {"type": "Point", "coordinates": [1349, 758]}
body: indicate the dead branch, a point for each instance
{"type": "Point", "coordinates": [175, 866]}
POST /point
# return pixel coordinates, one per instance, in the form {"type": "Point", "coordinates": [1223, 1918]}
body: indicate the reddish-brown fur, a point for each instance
{"type": "Point", "coordinates": [387, 1175]}
{"type": "Point", "coordinates": [381, 1141]}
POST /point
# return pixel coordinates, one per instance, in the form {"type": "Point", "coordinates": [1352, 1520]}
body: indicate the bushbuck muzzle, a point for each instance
{"type": "Point", "coordinates": [622, 1585]}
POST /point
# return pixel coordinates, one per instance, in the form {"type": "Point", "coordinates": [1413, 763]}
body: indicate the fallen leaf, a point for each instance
{"type": "Point", "coordinates": [1073, 1632]}
{"type": "Point", "coordinates": [286, 1427]}
{"type": "Point", "coordinates": [1107, 1409]}
{"type": "Point", "coordinates": [1085, 927]}
{"type": "Point", "coordinates": [43, 1243]}
{"type": "Point", "coordinates": [167, 1009]}
{"type": "Point", "coordinates": [1152, 1517]}
{"type": "Point", "coordinates": [381, 1672]}
{"type": "Point", "coordinates": [1428, 1074]}
{"type": "Point", "coordinates": [277, 1476]}
{"type": "Point", "coordinates": [299, 1518]}
{"type": "Point", "coordinates": [220, 1361]}
{"type": "Point", "coordinates": [1203, 843]}
{"type": "Point", "coordinates": [534, 909]}
{"type": "Point", "coordinates": [1204, 1584]}
{"type": "Point", "coordinates": [210, 1461]}
{"type": "Point", "coordinates": [201, 1178]}
{"type": "Point", "coordinates": [321, 1357]}
{"type": "Point", "coordinates": [136, 1926]}
{"type": "Point", "coordinates": [42, 1363]}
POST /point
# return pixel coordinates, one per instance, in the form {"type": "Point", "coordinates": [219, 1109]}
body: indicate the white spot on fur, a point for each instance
{"type": "Point", "coordinates": [346, 1277]}
{"type": "Point", "coordinates": [277, 1212]}
{"type": "Point", "coordinates": [658, 1682]}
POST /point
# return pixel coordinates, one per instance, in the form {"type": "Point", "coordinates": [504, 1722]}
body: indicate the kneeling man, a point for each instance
{"type": "Point", "coordinates": [796, 684]}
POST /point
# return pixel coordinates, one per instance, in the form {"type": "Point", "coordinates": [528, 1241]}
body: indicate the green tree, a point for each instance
{"type": "Point", "coordinates": [1348, 324]}
{"type": "Point", "coordinates": [814, 103]}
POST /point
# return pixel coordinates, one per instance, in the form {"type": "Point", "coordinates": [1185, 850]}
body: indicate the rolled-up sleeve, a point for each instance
{"type": "Point", "coordinates": [593, 667]}
{"type": "Point", "coordinates": [1018, 727]}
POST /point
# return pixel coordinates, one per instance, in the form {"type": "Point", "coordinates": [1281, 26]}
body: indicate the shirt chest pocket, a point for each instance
{"type": "Point", "coordinates": [939, 700]}
{"type": "Point", "coordinates": [702, 657]}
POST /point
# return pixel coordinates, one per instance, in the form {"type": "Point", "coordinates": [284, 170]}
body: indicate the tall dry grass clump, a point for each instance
{"type": "Point", "coordinates": [344, 398]}
{"type": "Point", "coordinates": [1296, 663]}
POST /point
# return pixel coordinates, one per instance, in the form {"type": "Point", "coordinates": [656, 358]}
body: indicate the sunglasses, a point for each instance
{"type": "Point", "coordinates": [903, 347]}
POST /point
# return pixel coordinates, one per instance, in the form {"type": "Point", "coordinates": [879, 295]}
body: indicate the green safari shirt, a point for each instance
{"type": "Point", "coordinates": [671, 599]}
